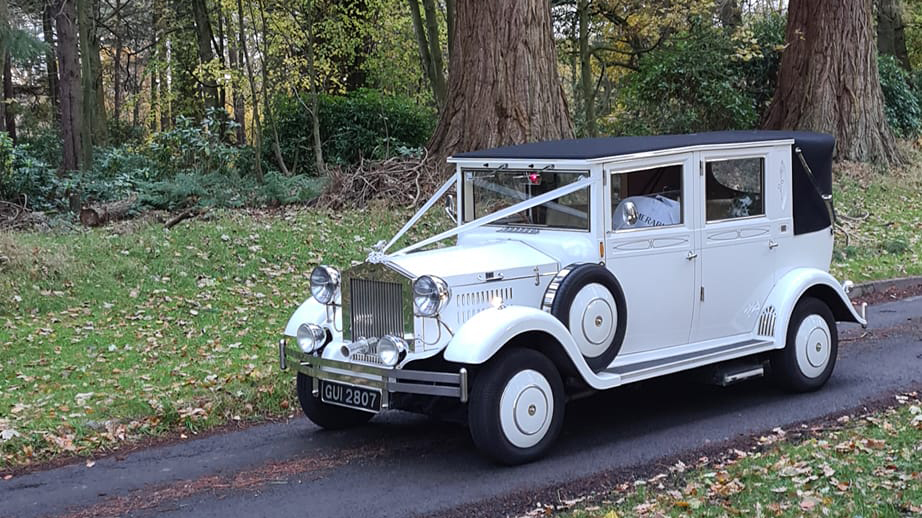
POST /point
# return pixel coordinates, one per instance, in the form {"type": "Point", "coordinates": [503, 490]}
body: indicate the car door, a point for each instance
{"type": "Point", "coordinates": [654, 257]}
{"type": "Point", "coordinates": [736, 253]}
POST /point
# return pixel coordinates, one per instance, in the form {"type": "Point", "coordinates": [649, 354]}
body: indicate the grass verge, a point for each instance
{"type": "Point", "coordinates": [869, 466]}
{"type": "Point", "coordinates": [111, 335]}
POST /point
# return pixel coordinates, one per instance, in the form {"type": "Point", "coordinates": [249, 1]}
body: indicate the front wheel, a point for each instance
{"type": "Point", "coordinates": [516, 406]}
{"type": "Point", "coordinates": [325, 415]}
{"type": "Point", "coordinates": [809, 355]}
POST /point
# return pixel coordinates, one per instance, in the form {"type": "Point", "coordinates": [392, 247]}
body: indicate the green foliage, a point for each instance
{"type": "Point", "coordinates": [6, 160]}
{"type": "Point", "coordinates": [704, 78]}
{"type": "Point", "coordinates": [32, 181]}
{"type": "Point", "coordinates": [758, 56]}
{"type": "Point", "coordinates": [364, 123]}
{"type": "Point", "coordinates": [902, 105]}
{"type": "Point", "coordinates": [691, 83]}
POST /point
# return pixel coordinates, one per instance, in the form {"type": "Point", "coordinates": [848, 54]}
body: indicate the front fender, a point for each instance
{"type": "Point", "coordinates": [312, 312]}
{"type": "Point", "coordinates": [485, 333]}
{"type": "Point", "coordinates": [813, 282]}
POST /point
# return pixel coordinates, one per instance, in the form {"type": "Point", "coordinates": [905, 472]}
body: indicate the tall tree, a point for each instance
{"type": "Point", "coordinates": [828, 79]}
{"type": "Point", "coordinates": [430, 53]}
{"type": "Point", "coordinates": [891, 31]}
{"type": "Point", "coordinates": [51, 63]}
{"type": "Point", "coordinates": [205, 37]}
{"type": "Point", "coordinates": [587, 86]}
{"type": "Point", "coordinates": [93, 104]}
{"type": "Point", "coordinates": [70, 88]}
{"type": "Point", "coordinates": [504, 85]}
{"type": "Point", "coordinates": [4, 58]}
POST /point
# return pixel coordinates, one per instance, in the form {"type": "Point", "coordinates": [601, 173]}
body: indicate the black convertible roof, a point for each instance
{"type": "Point", "coordinates": [601, 147]}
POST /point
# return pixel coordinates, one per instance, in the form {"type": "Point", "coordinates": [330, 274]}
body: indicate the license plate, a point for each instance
{"type": "Point", "coordinates": [350, 396]}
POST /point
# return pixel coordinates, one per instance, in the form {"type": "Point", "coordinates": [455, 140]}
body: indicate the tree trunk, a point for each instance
{"type": "Point", "coordinates": [435, 51]}
{"type": "Point", "coordinates": [257, 127]}
{"type": "Point", "coordinates": [9, 114]}
{"type": "Point", "coordinates": [828, 79]}
{"type": "Point", "coordinates": [450, 23]}
{"type": "Point", "coordinates": [70, 92]}
{"type": "Point", "coordinates": [315, 104]}
{"type": "Point", "coordinates": [204, 37]}
{"type": "Point", "coordinates": [93, 107]}
{"type": "Point", "coordinates": [504, 85]}
{"type": "Point", "coordinates": [587, 89]}
{"type": "Point", "coordinates": [4, 58]}
{"type": "Point", "coordinates": [51, 63]}
{"type": "Point", "coordinates": [891, 31]}
{"type": "Point", "coordinates": [235, 58]}
{"type": "Point", "coordinates": [425, 56]}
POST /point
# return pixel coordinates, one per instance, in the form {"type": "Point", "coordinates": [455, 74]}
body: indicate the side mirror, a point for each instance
{"type": "Point", "coordinates": [451, 207]}
{"type": "Point", "coordinates": [630, 213]}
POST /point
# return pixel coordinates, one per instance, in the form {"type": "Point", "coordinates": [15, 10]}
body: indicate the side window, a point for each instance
{"type": "Point", "coordinates": [647, 198]}
{"type": "Point", "coordinates": [734, 188]}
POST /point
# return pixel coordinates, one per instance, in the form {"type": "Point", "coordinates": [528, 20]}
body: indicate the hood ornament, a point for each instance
{"type": "Point", "coordinates": [376, 255]}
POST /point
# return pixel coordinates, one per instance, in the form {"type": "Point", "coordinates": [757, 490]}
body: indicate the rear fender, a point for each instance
{"type": "Point", "coordinates": [807, 282]}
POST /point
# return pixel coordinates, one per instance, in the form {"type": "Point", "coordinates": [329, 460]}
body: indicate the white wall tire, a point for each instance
{"type": "Point", "coordinates": [516, 406]}
{"type": "Point", "coordinates": [809, 355]}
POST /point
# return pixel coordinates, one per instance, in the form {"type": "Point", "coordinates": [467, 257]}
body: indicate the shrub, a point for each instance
{"type": "Point", "coordinates": [195, 148]}
{"type": "Point", "coordinates": [363, 123]}
{"type": "Point", "coordinates": [901, 102]}
{"type": "Point", "coordinates": [764, 40]}
{"type": "Point", "coordinates": [6, 159]}
{"type": "Point", "coordinates": [33, 182]}
{"type": "Point", "coordinates": [689, 84]}
{"type": "Point", "coordinates": [703, 79]}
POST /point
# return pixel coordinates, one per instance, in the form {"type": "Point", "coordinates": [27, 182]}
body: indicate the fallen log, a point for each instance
{"type": "Point", "coordinates": [182, 216]}
{"type": "Point", "coordinates": [100, 214]}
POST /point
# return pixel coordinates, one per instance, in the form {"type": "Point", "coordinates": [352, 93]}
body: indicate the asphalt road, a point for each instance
{"type": "Point", "coordinates": [402, 465]}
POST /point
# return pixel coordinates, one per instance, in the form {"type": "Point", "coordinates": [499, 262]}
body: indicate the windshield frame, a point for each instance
{"type": "Point", "coordinates": [468, 201]}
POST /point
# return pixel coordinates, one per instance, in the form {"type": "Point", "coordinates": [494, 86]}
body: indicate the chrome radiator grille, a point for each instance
{"type": "Point", "coordinates": [376, 308]}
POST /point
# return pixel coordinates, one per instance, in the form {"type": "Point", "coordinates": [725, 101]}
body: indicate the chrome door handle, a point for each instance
{"type": "Point", "coordinates": [772, 244]}
{"type": "Point", "coordinates": [691, 255]}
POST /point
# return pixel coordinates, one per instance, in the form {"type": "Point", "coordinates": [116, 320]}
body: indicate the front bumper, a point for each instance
{"type": "Point", "coordinates": [387, 380]}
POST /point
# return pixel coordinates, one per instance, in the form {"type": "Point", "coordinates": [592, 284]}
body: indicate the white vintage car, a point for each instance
{"type": "Point", "coordinates": [583, 265]}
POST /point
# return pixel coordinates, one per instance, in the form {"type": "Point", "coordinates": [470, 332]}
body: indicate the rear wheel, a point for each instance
{"type": "Point", "coordinates": [327, 416]}
{"type": "Point", "coordinates": [516, 406]}
{"type": "Point", "coordinates": [809, 356]}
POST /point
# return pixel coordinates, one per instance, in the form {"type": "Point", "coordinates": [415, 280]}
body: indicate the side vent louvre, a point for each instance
{"type": "Point", "coordinates": [469, 304]}
{"type": "Point", "coordinates": [767, 322]}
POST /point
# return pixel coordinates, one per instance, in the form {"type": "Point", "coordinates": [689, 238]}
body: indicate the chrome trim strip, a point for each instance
{"type": "Point", "coordinates": [431, 383]}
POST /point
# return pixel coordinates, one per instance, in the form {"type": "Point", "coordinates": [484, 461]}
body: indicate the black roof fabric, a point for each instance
{"type": "Point", "coordinates": [590, 148]}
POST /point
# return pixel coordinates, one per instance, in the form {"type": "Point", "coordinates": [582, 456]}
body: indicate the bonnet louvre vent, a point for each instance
{"type": "Point", "coordinates": [469, 304]}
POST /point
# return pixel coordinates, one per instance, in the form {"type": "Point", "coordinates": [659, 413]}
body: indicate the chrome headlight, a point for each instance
{"type": "Point", "coordinates": [310, 337]}
{"type": "Point", "coordinates": [391, 349]}
{"type": "Point", "coordinates": [324, 284]}
{"type": "Point", "coordinates": [430, 295]}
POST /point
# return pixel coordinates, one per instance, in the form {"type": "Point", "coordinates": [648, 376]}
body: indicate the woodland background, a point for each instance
{"type": "Point", "coordinates": [176, 104]}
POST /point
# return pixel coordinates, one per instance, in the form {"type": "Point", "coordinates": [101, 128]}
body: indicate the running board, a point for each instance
{"type": "Point", "coordinates": [651, 369]}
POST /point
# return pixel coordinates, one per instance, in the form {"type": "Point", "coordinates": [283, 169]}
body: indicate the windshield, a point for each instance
{"type": "Point", "coordinates": [489, 190]}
